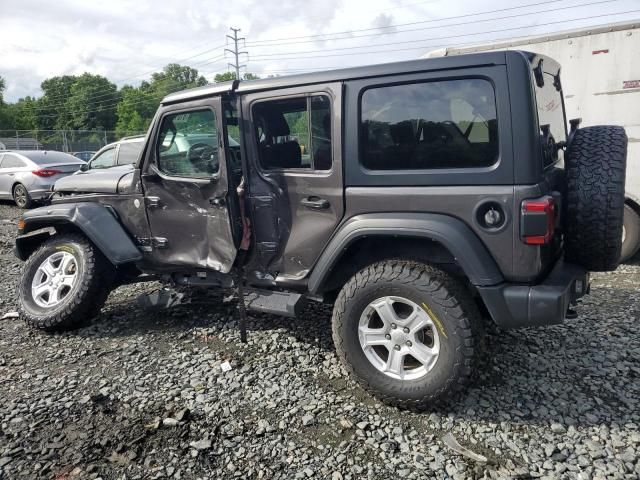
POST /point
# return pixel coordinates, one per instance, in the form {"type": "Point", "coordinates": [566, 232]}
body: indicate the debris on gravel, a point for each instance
{"type": "Point", "coordinates": [142, 394]}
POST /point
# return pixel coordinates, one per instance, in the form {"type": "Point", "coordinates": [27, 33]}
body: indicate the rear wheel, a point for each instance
{"type": "Point", "coordinates": [21, 196]}
{"type": "Point", "coordinates": [595, 166]}
{"type": "Point", "coordinates": [630, 234]}
{"type": "Point", "coordinates": [64, 283]}
{"type": "Point", "coordinates": [406, 331]}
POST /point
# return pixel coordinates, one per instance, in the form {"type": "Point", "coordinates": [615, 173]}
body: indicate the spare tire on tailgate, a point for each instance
{"type": "Point", "coordinates": [595, 164]}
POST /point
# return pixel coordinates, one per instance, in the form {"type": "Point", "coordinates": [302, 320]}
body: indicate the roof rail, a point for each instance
{"type": "Point", "coordinates": [131, 137]}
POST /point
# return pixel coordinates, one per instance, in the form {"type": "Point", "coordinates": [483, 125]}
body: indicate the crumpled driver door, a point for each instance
{"type": "Point", "coordinates": [186, 188]}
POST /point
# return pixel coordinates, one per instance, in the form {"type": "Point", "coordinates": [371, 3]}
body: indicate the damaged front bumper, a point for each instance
{"type": "Point", "coordinates": [516, 306]}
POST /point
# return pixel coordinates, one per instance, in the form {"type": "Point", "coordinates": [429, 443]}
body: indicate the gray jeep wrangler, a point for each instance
{"type": "Point", "coordinates": [420, 198]}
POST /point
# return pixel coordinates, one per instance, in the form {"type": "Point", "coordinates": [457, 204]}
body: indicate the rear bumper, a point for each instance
{"type": "Point", "coordinates": [515, 306]}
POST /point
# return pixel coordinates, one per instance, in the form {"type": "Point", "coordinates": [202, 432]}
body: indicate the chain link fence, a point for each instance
{"type": "Point", "coordinates": [61, 140]}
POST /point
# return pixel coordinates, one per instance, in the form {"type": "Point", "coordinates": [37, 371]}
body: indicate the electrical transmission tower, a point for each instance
{"type": "Point", "coordinates": [235, 52]}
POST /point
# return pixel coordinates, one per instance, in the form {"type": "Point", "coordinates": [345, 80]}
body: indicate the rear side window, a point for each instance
{"type": "Point", "coordinates": [551, 117]}
{"type": "Point", "coordinates": [106, 159]}
{"type": "Point", "coordinates": [11, 161]}
{"type": "Point", "coordinates": [430, 125]}
{"type": "Point", "coordinates": [129, 152]}
{"type": "Point", "coordinates": [294, 133]}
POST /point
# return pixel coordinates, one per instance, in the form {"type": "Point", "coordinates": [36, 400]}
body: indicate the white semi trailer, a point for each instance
{"type": "Point", "coordinates": [601, 84]}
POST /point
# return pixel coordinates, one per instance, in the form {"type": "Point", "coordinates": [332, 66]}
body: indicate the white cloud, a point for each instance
{"type": "Point", "coordinates": [126, 39]}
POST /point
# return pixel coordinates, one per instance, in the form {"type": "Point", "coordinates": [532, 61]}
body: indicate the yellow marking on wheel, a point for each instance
{"type": "Point", "coordinates": [435, 319]}
{"type": "Point", "coordinates": [65, 248]}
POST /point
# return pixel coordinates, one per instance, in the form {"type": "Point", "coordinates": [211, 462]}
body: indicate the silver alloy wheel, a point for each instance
{"type": "Point", "coordinates": [399, 338]}
{"type": "Point", "coordinates": [54, 280]}
{"type": "Point", "coordinates": [20, 196]}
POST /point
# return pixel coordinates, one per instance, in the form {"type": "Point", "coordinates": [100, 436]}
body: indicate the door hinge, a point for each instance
{"type": "Point", "coordinates": [152, 202]}
{"type": "Point", "coordinates": [159, 242]}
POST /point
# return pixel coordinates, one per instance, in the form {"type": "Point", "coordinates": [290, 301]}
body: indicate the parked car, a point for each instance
{"type": "Point", "coordinates": [85, 156]}
{"type": "Point", "coordinates": [26, 176]}
{"type": "Point", "coordinates": [431, 192]}
{"type": "Point", "coordinates": [123, 152]}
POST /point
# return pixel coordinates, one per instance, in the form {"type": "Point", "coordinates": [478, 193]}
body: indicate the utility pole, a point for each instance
{"type": "Point", "coordinates": [235, 52]}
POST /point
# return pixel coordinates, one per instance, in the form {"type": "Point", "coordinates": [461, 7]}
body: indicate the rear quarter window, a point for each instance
{"type": "Point", "coordinates": [429, 125]}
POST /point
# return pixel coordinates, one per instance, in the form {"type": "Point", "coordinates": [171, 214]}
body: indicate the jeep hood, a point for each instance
{"type": "Point", "coordinates": [96, 181]}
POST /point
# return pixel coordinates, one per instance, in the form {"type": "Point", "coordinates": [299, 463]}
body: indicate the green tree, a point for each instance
{"type": "Point", "coordinates": [52, 107]}
{"type": "Point", "coordinates": [24, 114]}
{"type": "Point", "coordinates": [175, 77]}
{"type": "Point", "coordinates": [227, 76]}
{"type": "Point", "coordinates": [135, 110]}
{"type": "Point", "coordinates": [92, 103]}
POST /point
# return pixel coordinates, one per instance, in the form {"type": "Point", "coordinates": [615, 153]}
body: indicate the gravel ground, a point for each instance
{"type": "Point", "coordinates": [141, 395]}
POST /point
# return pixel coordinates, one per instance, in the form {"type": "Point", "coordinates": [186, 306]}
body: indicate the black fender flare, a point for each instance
{"type": "Point", "coordinates": [95, 220]}
{"type": "Point", "coordinates": [471, 254]}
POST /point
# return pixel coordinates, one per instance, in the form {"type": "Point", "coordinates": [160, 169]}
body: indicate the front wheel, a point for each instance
{"type": "Point", "coordinates": [407, 332]}
{"type": "Point", "coordinates": [64, 283]}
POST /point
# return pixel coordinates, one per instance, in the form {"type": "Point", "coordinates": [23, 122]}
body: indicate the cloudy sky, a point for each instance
{"type": "Point", "coordinates": [126, 40]}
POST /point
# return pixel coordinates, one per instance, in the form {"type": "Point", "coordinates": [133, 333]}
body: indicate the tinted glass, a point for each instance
{"type": "Point", "coordinates": [188, 144]}
{"type": "Point", "coordinates": [44, 157]}
{"type": "Point", "coordinates": [104, 160]}
{"type": "Point", "coordinates": [431, 125]}
{"type": "Point", "coordinates": [11, 161]}
{"type": "Point", "coordinates": [551, 114]}
{"type": "Point", "coordinates": [129, 152]}
{"type": "Point", "coordinates": [294, 133]}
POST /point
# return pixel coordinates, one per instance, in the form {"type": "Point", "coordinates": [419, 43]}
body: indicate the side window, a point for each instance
{"type": "Point", "coordinates": [105, 160]}
{"type": "Point", "coordinates": [294, 133]}
{"type": "Point", "coordinates": [129, 152]}
{"type": "Point", "coordinates": [430, 125]}
{"type": "Point", "coordinates": [11, 161]}
{"type": "Point", "coordinates": [188, 144]}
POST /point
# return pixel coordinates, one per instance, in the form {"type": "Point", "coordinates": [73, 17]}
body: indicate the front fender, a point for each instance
{"type": "Point", "coordinates": [95, 220]}
{"type": "Point", "coordinates": [471, 254]}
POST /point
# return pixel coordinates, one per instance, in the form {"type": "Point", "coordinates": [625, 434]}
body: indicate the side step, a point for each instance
{"type": "Point", "coordinates": [276, 303]}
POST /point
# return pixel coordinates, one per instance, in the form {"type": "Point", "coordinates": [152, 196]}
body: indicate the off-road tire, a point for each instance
{"type": "Point", "coordinates": [21, 196]}
{"type": "Point", "coordinates": [595, 166]}
{"type": "Point", "coordinates": [458, 319]}
{"type": "Point", "coordinates": [631, 243]}
{"type": "Point", "coordinates": [96, 276]}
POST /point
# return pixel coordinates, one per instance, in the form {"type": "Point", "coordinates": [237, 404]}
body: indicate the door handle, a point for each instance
{"type": "Point", "coordinates": [315, 203]}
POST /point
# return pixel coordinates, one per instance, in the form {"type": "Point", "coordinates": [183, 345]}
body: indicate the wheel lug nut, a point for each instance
{"type": "Point", "coordinates": [393, 325]}
{"type": "Point", "coordinates": [405, 330]}
{"type": "Point", "coordinates": [397, 347]}
{"type": "Point", "coordinates": [387, 336]}
{"type": "Point", "coordinates": [409, 343]}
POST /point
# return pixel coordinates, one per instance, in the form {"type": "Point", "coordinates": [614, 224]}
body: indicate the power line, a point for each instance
{"type": "Point", "coordinates": [348, 32]}
{"type": "Point", "coordinates": [153, 97]}
{"type": "Point", "coordinates": [281, 56]}
{"type": "Point", "coordinates": [470, 22]}
{"type": "Point", "coordinates": [58, 97]}
{"type": "Point", "coordinates": [107, 94]}
{"type": "Point", "coordinates": [103, 94]}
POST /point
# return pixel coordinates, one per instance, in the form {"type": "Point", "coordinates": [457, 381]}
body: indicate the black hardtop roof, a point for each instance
{"type": "Point", "coordinates": [395, 68]}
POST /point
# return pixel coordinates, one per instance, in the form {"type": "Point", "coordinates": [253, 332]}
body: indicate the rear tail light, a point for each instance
{"type": "Point", "coordinates": [538, 220]}
{"type": "Point", "coordinates": [46, 172]}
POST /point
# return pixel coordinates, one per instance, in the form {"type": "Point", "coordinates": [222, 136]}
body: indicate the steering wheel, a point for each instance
{"type": "Point", "coordinates": [203, 157]}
